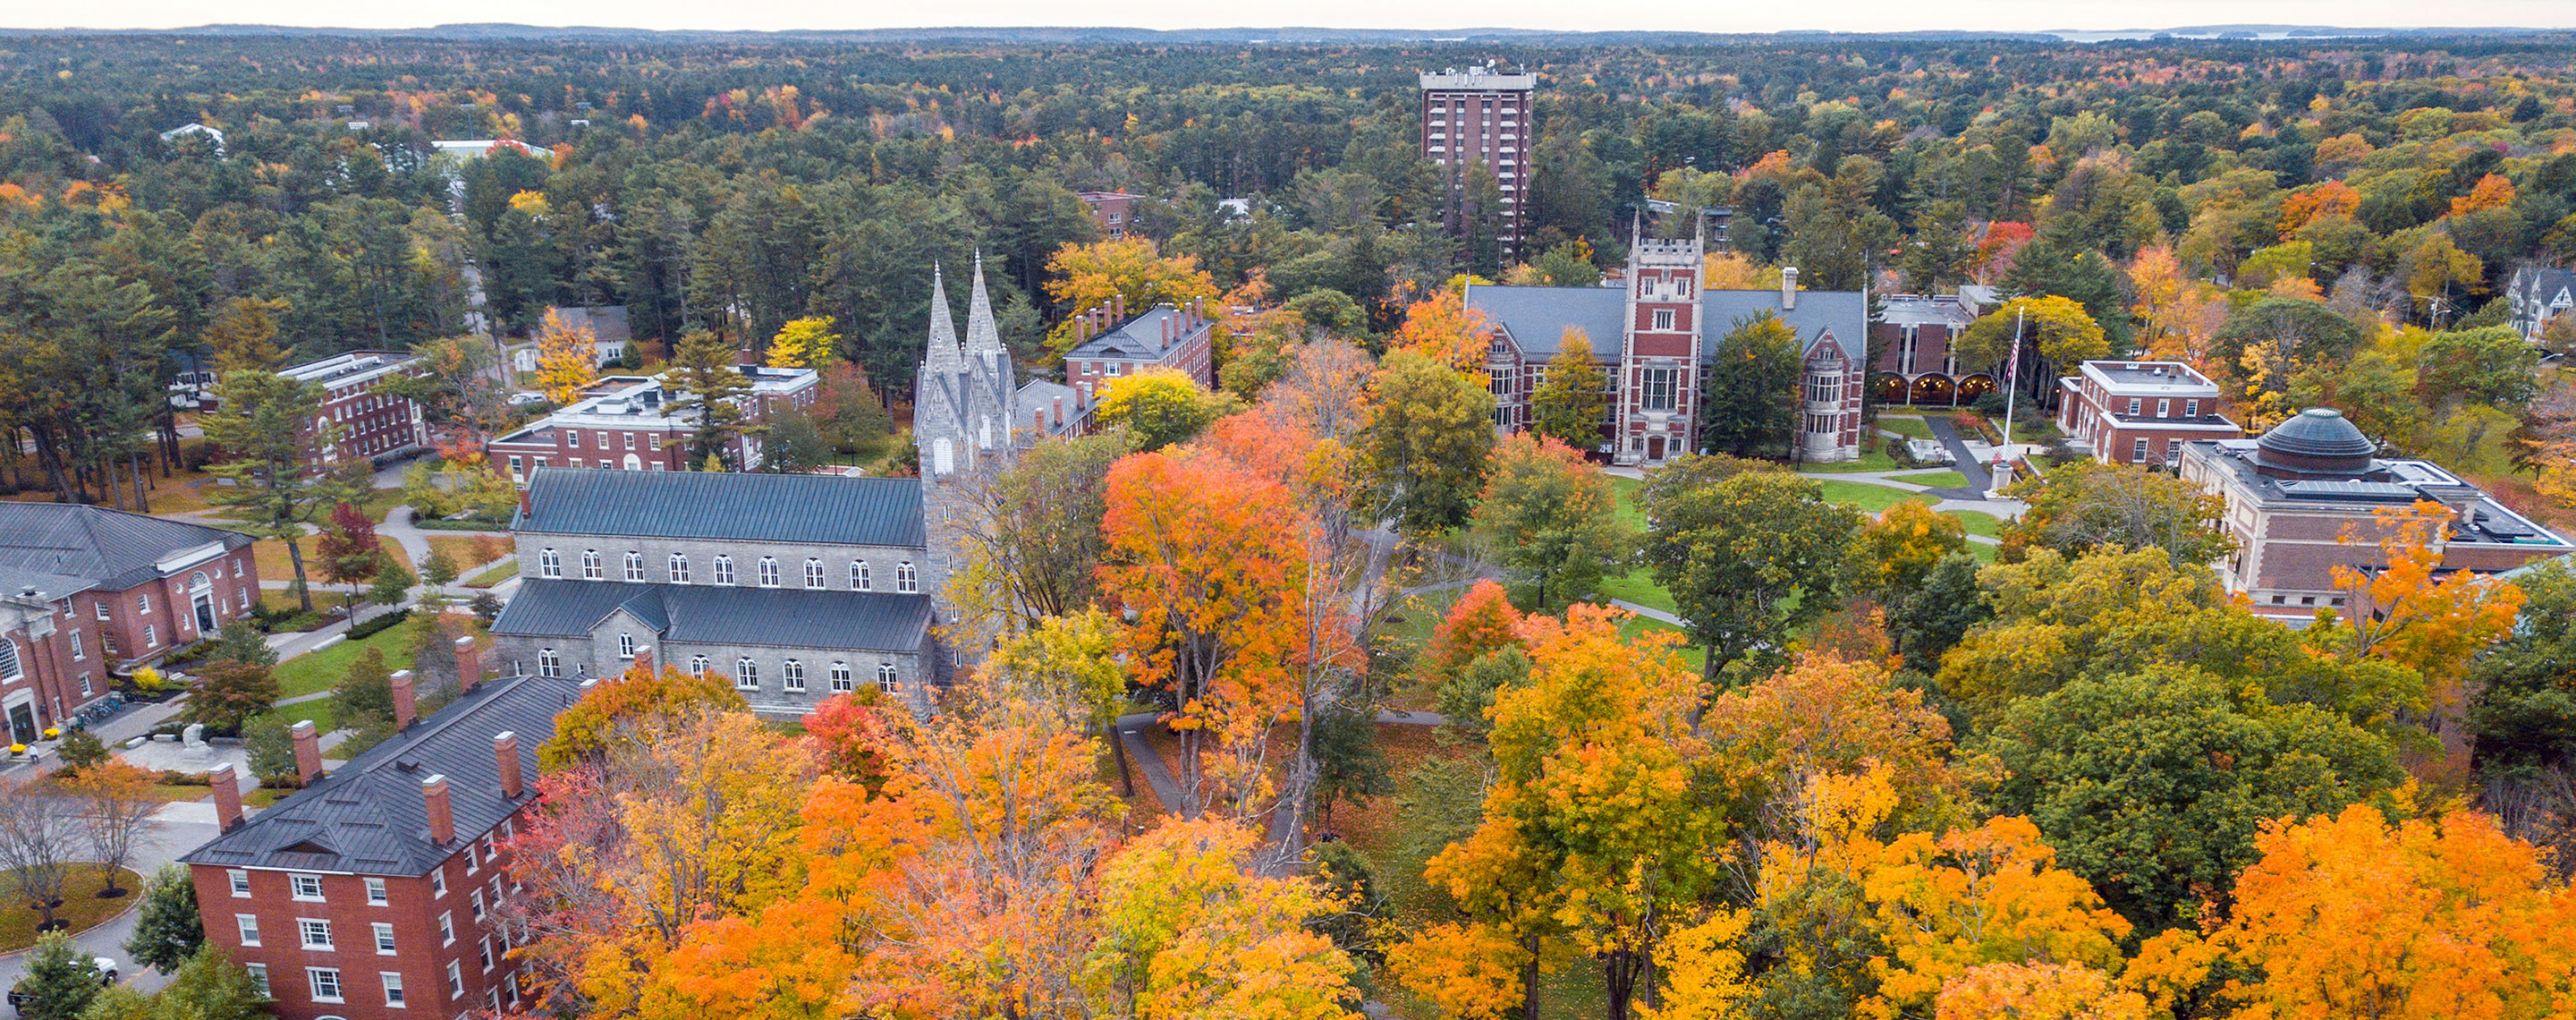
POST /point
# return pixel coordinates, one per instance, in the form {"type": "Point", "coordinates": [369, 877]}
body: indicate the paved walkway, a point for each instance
{"type": "Point", "coordinates": [1967, 463]}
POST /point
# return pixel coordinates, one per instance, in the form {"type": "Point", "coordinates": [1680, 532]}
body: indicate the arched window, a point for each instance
{"type": "Point", "coordinates": [769, 571]}
{"type": "Point", "coordinates": [943, 460]}
{"type": "Point", "coordinates": [549, 563]}
{"type": "Point", "coordinates": [887, 679]}
{"type": "Point", "coordinates": [813, 573]}
{"type": "Point", "coordinates": [590, 564]}
{"type": "Point", "coordinates": [841, 678]}
{"type": "Point", "coordinates": [9, 668]}
{"type": "Point", "coordinates": [679, 568]}
{"type": "Point", "coordinates": [626, 646]}
{"type": "Point", "coordinates": [746, 674]}
{"type": "Point", "coordinates": [634, 565]}
{"type": "Point", "coordinates": [724, 570]}
{"type": "Point", "coordinates": [548, 664]}
{"type": "Point", "coordinates": [791, 676]}
{"type": "Point", "coordinates": [905, 580]}
{"type": "Point", "coordinates": [859, 580]}
{"type": "Point", "coordinates": [697, 664]}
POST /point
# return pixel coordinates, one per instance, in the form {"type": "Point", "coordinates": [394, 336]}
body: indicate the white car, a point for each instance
{"type": "Point", "coordinates": [105, 969]}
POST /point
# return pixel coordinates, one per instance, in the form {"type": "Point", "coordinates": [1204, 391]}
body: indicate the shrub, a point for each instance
{"type": "Point", "coordinates": [377, 625]}
{"type": "Point", "coordinates": [174, 777]}
{"type": "Point", "coordinates": [81, 750]}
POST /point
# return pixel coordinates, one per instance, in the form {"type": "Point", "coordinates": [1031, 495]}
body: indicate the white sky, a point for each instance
{"type": "Point", "coordinates": [1705, 15]}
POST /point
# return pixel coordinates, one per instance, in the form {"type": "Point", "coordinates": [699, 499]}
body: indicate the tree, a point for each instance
{"type": "Point", "coordinates": [1033, 543]}
{"type": "Point", "coordinates": [1550, 520]}
{"type": "Point", "coordinates": [1189, 930]}
{"type": "Point", "coordinates": [168, 930]}
{"type": "Point", "coordinates": [635, 701]}
{"type": "Point", "coordinates": [2087, 506]}
{"type": "Point", "coordinates": [1749, 401]}
{"type": "Point", "coordinates": [40, 832]}
{"type": "Point", "coordinates": [392, 584]}
{"type": "Point", "coordinates": [1160, 406]}
{"type": "Point", "coordinates": [228, 692]}
{"type": "Point", "coordinates": [285, 470]}
{"type": "Point", "coordinates": [1128, 268]}
{"type": "Point", "coordinates": [2492, 366]}
{"type": "Point", "coordinates": [1934, 615]}
{"type": "Point", "coordinates": [1893, 554]}
{"type": "Point", "coordinates": [706, 385]}
{"type": "Point", "coordinates": [80, 750]}
{"type": "Point", "coordinates": [2152, 784]}
{"type": "Point", "coordinates": [1443, 329]}
{"type": "Point", "coordinates": [349, 551]}
{"type": "Point", "coordinates": [804, 343]}
{"type": "Point", "coordinates": [2037, 991]}
{"type": "Point", "coordinates": [366, 699]}
{"type": "Point", "coordinates": [1573, 396]}
{"type": "Point", "coordinates": [1748, 560]}
{"type": "Point", "coordinates": [567, 358]}
{"type": "Point", "coordinates": [115, 801]}
{"type": "Point", "coordinates": [794, 446]}
{"type": "Point", "coordinates": [241, 335]}
{"type": "Point", "coordinates": [240, 641]}
{"type": "Point", "coordinates": [1425, 447]}
{"type": "Point", "coordinates": [2058, 328]}
{"type": "Point", "coordinates": [61, 981]}
{"type": "Point", "coordinates": [1943, 249]}
{"type": "Point", "coordinates": [205, 985]}
{"type": "Point", "coordinates": [1349, 763]}
{"type": "Point", "coordinates": [271, 746]}
{"type": "Point", "coordinates": [852, 417]}
{"type": "Point", "coordinates": [437, 571]}
{"type": "Point", "coordinates": [2524, 710]}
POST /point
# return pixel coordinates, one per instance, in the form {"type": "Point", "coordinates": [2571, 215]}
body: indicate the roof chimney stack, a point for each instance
{"type": "Point", "coordinates": [308, 752]}
{"type": "Point", "coordinates": [469, 664]}
{"type": "Point", "coordinates": [442, 818]}
{"type": "Point", "coordinates": [1788, 288]}
{"type": "Point", "coordinates": [228, 802]}
{"type": "Point", "coordinates": [505, 753]}
{"type": "Point", "coordinates": [406, 704]}
{"type": "Point", "coordinates": [1117, 307]}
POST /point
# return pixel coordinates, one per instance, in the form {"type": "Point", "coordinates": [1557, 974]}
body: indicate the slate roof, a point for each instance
{"type": "Point", "coordinates": [368, 817]}
{"type": "Point", "coordinates": [608, 324]}
{"type": "Point", "coordinates": [1536, 317]}
{"type": "Point", "coordinates": [722, 614]}
{"type": "Point", "coordinates": [724, 506]}
{"type": "Point", "coordinates": [103, 548]}
{"type": "Point", "coordinates": [1141, 338]}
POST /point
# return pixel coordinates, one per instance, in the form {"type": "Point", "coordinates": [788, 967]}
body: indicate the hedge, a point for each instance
{"type": "Point", "coordinates": [378, 624]}
{"type": "Point", "coordinates": [440, 524]}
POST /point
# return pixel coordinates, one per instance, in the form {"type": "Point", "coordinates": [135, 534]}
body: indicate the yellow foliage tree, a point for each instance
{"type": "Point", "coordinates": [2493, 191]}
{"type": "Point", "coordinates": [2037, 991]}
{"type": "Point", "coordinates": [803, 343]}
{"type": "Point", "coordinates": [1087, 276]}
{"type": "Point", "coordinates": [567, 358]}
{"type": "Point", "coordinates": [1190, 932]}
{"type": "Point", "coordinates": [2400, 611]}
{"type": "Point", "coordinates": [1442, 328]}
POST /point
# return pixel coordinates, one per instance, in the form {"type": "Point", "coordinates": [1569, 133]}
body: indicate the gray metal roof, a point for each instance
{"type": "Point", "coordinates": [722, 614]}
{"type": "Point", "coordinates": [368, 817]}
{"type": "Point", "coordinates": [1536, 317]}
{"type": "Point", "coordinates": [724, 506]}
{"type": "Point", "coordinates": [103, 548]}
{"type": "Point", "coordinates": [1141, 338]}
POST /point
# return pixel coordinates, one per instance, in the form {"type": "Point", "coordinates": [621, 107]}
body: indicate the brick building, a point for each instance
{"type": "Point", "coordinates": [1655, 333]}
{"type": "Point", "coordinates": [1113, 211]}
{"type": "Point", "coordinates": [2140, 412]}
{"type": "Point", "coordinates": [797, 587]}
{"type": "Point", "coordinates": [628, 422]}
{"type": "Point", "coordinates": [1913, 363]}
{"type": "Point", "coordinates": [1481, 117]}
{"type": "Point", "coordinates": [2292, 495]}
{"type": "Point", "coordinates": [1109, 344]}
{"type": "Point", "coordinates": [373, 892]}
{"type": "Point", "coordinates": [126, 589]}
{"type": "Point", "coordinates": [379, 425]}
{"type": "Point", "coordinates": [35, 655]}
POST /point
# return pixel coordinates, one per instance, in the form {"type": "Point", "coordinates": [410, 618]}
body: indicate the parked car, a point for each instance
{"type": "Point", "coordinates": [102, 967]}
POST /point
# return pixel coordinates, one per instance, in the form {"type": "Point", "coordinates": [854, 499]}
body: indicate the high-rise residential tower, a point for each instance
{"type": "Point", "coordinates": [1481, 116]}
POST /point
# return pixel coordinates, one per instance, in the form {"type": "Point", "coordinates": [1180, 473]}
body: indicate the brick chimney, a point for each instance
{"type": "Point", "coordinates": [228, 802]}
{"type": "Point", "coordinates": [1117, 307]}
{"type": "Point", "coordinates": [442, 818]}
{"type": "Point", "coordinates": [505, 753]}
{"type": "Point", "coordinates": [469, 664]}
{"type": "Point", "coordinates": [308, 751]}
{"type": "Point", "coordinates": [1788, 288]}
{"type": "Point", "coordinates": [406, 706]}
{"type": "Point", "coordinates": [527, 504]}
{"type": "Point", "coordinates": [1059, 411]}
{"type": "Point", "coordinates": [644, 659]}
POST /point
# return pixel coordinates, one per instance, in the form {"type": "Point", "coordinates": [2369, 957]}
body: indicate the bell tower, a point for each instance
{"type": "Point", "coordinates": [1659, 353]}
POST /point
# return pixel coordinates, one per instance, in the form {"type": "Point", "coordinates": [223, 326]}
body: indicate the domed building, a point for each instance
{"type": "Point", "coordinates": [2292, 493]}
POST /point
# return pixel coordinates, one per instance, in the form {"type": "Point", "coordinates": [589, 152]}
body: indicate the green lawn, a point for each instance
{"type": "Point", "coordinates": [1626, 489]}
{"type": "Point", "coordinates": [1979, 523]}
{"type": "Point", "coordinates": [318, 671]}
{"type": "Point", "coordinates": [1638, 586]}
{"type": "Point", "coordinates": [1910, 428]}
{"type": "Point", "coordinates": [1932, 479]}
{"type": "Point", "coordinates": [494, 576]}
{"type": "Point", "coordinates": [1983, 552]}
{"type": "Point", "coordinates": [1864, 496]}
{"type": "Point", "coordinates": [1874, 460]}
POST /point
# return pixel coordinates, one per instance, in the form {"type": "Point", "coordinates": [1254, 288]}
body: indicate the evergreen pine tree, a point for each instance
{"type": "Point", "coordinates": [169, 930]}
{"type": "Point", "coordinates": [60, 981]}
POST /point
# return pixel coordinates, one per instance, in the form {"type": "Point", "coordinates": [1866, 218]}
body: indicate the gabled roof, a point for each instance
{"type": "Point", "coordinates": [724, 506]}
{"type": "Point", "coordinates": [109, 549]}
{"type": "Point", "coordinates": [368, 817]}
{"type": "Point", "coordinates": [1141, 338]}
{"type": "Point", "coordinates": [607, 323]}
{"type": "Point", "coordinates": [1535, 317]}
{"type": "Point", "coordinates": [722, 614]}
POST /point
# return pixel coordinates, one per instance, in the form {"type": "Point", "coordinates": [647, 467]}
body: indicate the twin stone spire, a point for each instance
{"type": "Point", "coordinates": [982, 336]}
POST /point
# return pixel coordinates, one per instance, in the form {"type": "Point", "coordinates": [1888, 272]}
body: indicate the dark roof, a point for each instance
{"type": "Point", "coordinates": [109, 549]}
{"type": "Point", "coordinates": [724, 505]}
{"type": "Point", "coordinates": [1141, 338]}
{"type": "Point", "coordinates": [368, 817]}
{"type": "Point", "coordinates": [2316, 441]}
{"type": "Point", "coordinates": [1536, 317]}
{"type": "Point", "coordinates": [607, 322]}
{"type": "Point", "coordinates": [722, 614]}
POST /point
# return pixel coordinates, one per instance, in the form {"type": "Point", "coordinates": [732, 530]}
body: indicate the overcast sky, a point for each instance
{"type": "Point", "coordinates": [1708, 16]}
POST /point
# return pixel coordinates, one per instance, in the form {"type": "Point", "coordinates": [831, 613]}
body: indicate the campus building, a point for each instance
{"type": "Point", "coordinates": [374, 892]}
{"type": "Point", "coordinates": [1655, 334]}
{"type": "Point", "coordinates": [2140, 412]}
{"type": "Point", "coordinates": [126, 589]}
{"type": "Point", "coordinates": [2305, 498]}
{"type": "Point", "coordinates": [1914, 362]}
{"type": "Point", "coordinates": [1109, 345]}
{"type": "Point", "coordinates": [631, 423]}
{"type": "Point", "coordinates": [1481, 117]}
{"type": "Point", "coordinates": [376, 425]}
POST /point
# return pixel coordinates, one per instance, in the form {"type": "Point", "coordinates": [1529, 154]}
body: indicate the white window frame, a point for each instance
{"type": "Point", "coordinates": [384, 938]}
{"type": "Point", "coordinates": [746, 674]}
{"type": "Point", "coordinates": [769, 571]}
{"type": "Point", "coordinates": [697, 664]}
{"type": "Point", "coordinates": [813, 572]}
{"type": "Point", "coordinates": [590, 565]}
{"type": "Point", "coordinates": [549, 563]}
{"type": "Point", "coordinates": [455, 980]}
{"type": "Point", "coordinates": [376, 893]}
{"type": "Point", "coordinates": [247, 926]}
{"type": "Point", "coordinates": [860, 576]}
{"type": "Point", "coordinates": [316, 977]}
{"type": "Point", "coordinates": [907, 579]}
{"type": "Point", "coordinates": [392, 980]}
{"type": "Point", "coordinates": [724, 569]}
{"type": "Point", "coordinates": [548, 663]}
{"type": "Point", "coordinates": [791, 676]}
{"type": "Point", "coordinates": [841, 682]}
{"type": "Point", "coordinates": [679, 568]}
{"type": "Point", "coordinates": [259, 979]}
{"type": "Point", "coordinates": [634, 566]}
{"type": "Point", "coordinates": [241, 882]}
{"type": "Point", "coordinates": [626, 646]}
{"type": "Point", "coordinates": [889, 679]}
{"type": "Point", "coordinates": [308, 927]}
{"type": "Point", "coordinates": [306, 888]}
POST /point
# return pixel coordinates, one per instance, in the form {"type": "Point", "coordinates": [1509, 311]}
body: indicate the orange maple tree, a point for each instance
{"type": "Point", "coordinates": [1442, 328]}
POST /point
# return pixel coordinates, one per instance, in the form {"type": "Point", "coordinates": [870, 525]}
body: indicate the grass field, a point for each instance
{"type": "Point", "coordinates": [1932, 479]}
{"type": "Point", "coordinates": [276, 564]}
{"type": "Point", "coordinates": [82, 907]}
{"type": "Point", "coordinates": [1979, 523]}
{"type": "Point", "coordinates": [1910, 428]}
{"type": "Point", "coordinates": [494, 576]}
{"type": "Point", "coordinates": [1864, 496]}
{"type": "Point", "coordinates": [317, 671]}
{"type": "Point", "coordinates": [462, 548]}
{"type": "Point", "coordinates": [1874, 460]}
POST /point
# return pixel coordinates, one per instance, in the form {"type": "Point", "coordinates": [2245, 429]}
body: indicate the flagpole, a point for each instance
{"type": "Point", "coordinates": [2012, 386]}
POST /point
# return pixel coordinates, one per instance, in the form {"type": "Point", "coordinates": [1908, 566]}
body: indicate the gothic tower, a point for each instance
{"type": "Point", "coordinates": [962, 410]}
{"type": "Point", "coordinates": [1659, 357]}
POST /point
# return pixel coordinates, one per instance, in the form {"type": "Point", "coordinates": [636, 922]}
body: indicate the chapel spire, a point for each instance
{"type": "Point", "coordinates": [942, 355]}
{"type": "Point", "coordinates": [982, 336]}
